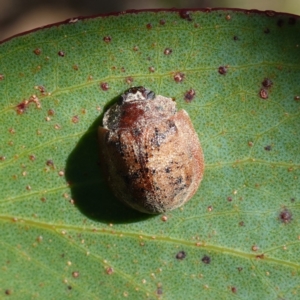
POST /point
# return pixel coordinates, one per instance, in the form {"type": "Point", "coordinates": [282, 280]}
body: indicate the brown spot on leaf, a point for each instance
{"type": "Point", "coordinates": [234, 289]}
{"type": "Point", "coordinates": [206, 259]}
{"type": "Point", "coordinates": [109, 270]}
{"type": "Point", "coordinates": [61, 53]}
{"type": "Point", "coordinates": [228, 17]}
{"type": "Point", "coordinates": [75, 119]}
{"type": "Point", "coordinates": [151, 69]}
{"type": "Point", "coordinates": [104, 86]}
{"type": "Point", "coordinates": [75, 274]}
{"type": "Point", "coordinates": [107, 39]}
{"type": "Point", "coordinates": [222, 70]}
{"type": "Point", "coordinates": [267, 31]}
{"type": "Point", "coordinates": [167, 51]}
{"type": "Point", "coordinates": [179, 77]}
{"type": "Point", "coordinates": [189, 95]}
{"type": "Point", "coordinates": [285, 216]}
{"type": "Point", "coordinates": [1, 77]}
{"type": "Point", "coordinates": [162, 22]}
{"type": "Point", "coordinates": [181, 255]}
{"type": "Point", "coordinates": [184, 14]}
{"type": "Point", "coordinates": [263, 93]}
{"type": "Point", "coordinates": [268, 148]}
{"type": "Point", "coordinates": [267, 83]}
{"type": "Point", "coordinates": [297, 98]}
{"type": "Point", "coordinates": [37, 51]}
{"type": "Point", "coordinates": [149, 26]}
{"type": "Point", "coordinates": [129, 80]}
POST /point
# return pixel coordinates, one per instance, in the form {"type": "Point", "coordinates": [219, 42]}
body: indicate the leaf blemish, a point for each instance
{"type": "Point", "coordinates": [189, 95]}
{"type": "Point", "coordinates": [206, 259]}
{"type": "Point", "coordinates": [285, 216]}
{"type": "Point", "coordinates": [168, 51]}
{"type": "Point", "coordinates": [61, 53]}
{"type": "Point", "coordinates": [267, 83]}
{"type": "Point", "coordinates": [179, 77]}
{"type": "Point", "coordinates": [149, 26]}
{"type": "Point", "coordinates": [268, 148]}
{"type": "Point", "coordinates": [129, 80]}
{"type": "Point", "coordinates": [151, 69]}
{"type": "Point", "coordinates": [75, 274]}
{"type": "Point", "coordinates": [32, 157]}
{"type": "Point", "coordinates": [186, 15]}
{"type": "Point", "coordinates": [222, 70]}
{"type": "Point", "coordinates": [263, 93]}
{"type": "Point", "coordinates": [104, 86]}
{"type": "Point", "coordinates": [162, 22]}
{"type": "Point", "coordinates": [280, 23]}
{"type": "Point", "coordinates": [1, 77]}
{"type": "Point", "coordinates": [107, 39]}
{"type": "Point", "coordinates": [37, 51]}
{"type": "Point", "coordinates": [181, 255]}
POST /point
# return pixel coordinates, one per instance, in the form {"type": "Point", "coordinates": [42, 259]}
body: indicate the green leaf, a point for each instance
{"type": "Point", "coordinates": [240, 233]}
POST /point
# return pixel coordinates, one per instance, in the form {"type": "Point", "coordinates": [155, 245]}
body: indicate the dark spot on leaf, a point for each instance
{"type": "Point", "coordinates": [189, 95]}
{"type": "Point", "coordinates": [1, 77]}
{"type": "Point", "coordinates": [297, 98]}
{"type": "Point", "coordinates": [181, 255]}
{"type": "Point", "coordinates": [8, 292]}
{"type": "Point", "coordinates": [49, 163]}
{"type": "Point", "coordinates": [267, 31]}
{"type": "Point", "coordinates": [206, 259]}
{"type": "Point", "coordinates": [159, 291]}
{"type": "Point", "coordinates": [2, 158]}
{"type": "Point", "coordinates": [51, 112]}
{"type": "Point", "coordinates": [268, 148]}
{"type": "Point", "coordinates": [75, 119]}
{"type": "Point", "coordinates": [135, 48]}
{"type": "Point", "coordinates": [292, 21]}
{"type": "Point", "coordinates": [285, 216]}
{"type": "Point", "coordinates": [229, 199]}
{"type": "Point", "coordinates": [149, 26]}
{"type": "Point", "coordinates": [267, 83]}
{"type": "Point", "coordinates": [107, 39]}
{"type": "Point", "coordinates": [222, 70]}
{"type": "Point", "coordinates": [260, 256]}
{"type": "Point", "coordinates": [69, 287]}
{"type": "Point", "coordinates": [61, 53]}
{"type": "Point", "coordinates": [236, 38]}
{"type": "Point", "coordinates": [234, 289]}
{"type": "Point", "coordinates": [162, 22]}
{"type": "Point", "coordinates": [129, 80]}
{"type": "Point", "coordinates": [263, 93]}
{"type": "Point", "coordinates": [104, 86]}
{"type": "Point", "coordinates": [109, 270]}
{"type": "Point", "coordinates": [37, 51]}
{"type": "Point", "coordinates": [167, 51]}
{"type": "Point", "coordinates": [293, 199]}
{"type": "Point", "coordinates": [184, 14]}
{"type": "Point", "coordinates": [280, 23]}
{"type": "Point", "coordinates": [228, 17]}
{"type": "Point", "coordinates": [151, 69]}
{"type": "Point", "coordinates": [75, 67]}
{"type": "Point", "coordinates": [75, 274]}
{"type": "Point", "coordinates": [179, 77]}
{"type": "Point", "coordinates": [32, 157]}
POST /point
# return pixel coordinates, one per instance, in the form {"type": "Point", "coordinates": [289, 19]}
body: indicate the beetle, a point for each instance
{"type": "Point", "coordinates": [150, 152]}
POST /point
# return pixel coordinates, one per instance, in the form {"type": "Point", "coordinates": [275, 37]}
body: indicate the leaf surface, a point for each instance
{"type": "Point", "coordinates": [63, 234]}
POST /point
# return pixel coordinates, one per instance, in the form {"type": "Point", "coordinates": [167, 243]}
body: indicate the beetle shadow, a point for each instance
{"type": "Point", "coordinates": [89, 189]}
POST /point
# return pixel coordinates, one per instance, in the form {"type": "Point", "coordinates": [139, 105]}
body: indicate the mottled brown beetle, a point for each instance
{"type": "Point", "coordinates": [150, 153]}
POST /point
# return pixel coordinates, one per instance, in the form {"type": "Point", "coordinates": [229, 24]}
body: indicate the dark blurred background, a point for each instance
{"type": "Point", "coordinates": [21, 15]}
